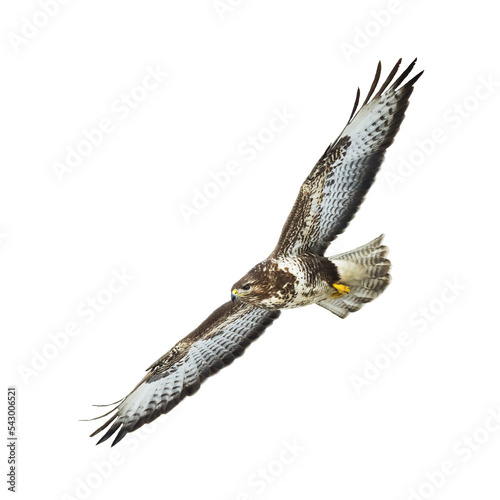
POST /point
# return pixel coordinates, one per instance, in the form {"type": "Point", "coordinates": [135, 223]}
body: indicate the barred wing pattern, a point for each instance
{"type": "Point", "coordinates": [337, 185]}
{"type": "Point", "coordinates": [221, 338]}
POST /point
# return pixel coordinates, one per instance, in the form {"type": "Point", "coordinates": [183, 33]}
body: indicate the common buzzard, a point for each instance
{"type": "Point", "coordinates": [296, 273]}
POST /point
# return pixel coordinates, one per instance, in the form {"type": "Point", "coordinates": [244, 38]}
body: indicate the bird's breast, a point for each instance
{"type": "Point", "coordinates": [302, 280]}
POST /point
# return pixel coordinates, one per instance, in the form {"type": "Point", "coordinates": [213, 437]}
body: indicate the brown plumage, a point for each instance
{"type": "Point", "coordinates": [296, 273]}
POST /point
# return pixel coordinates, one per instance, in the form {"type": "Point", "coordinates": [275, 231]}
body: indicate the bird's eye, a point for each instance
{"type": "Point", "coordinates": [246, 287]}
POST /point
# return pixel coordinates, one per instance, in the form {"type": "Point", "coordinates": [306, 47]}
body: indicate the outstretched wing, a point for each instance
{"type": "Point", "coordinates": [221, 338]}
{"type": "Point", "coordinates": [336, 187]}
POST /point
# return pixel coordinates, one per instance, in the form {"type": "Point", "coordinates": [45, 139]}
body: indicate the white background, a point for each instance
{"type": "Point", "coordinates": [120, 208]}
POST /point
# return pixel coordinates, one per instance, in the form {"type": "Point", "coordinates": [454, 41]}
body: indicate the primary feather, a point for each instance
{"type": "Point", "coordinates": [221, 338]}
{"type": "Point", "coordinates": [337, 185]}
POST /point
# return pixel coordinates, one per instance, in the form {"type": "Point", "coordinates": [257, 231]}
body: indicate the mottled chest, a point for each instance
{"type": "Point", "coordinates": [298, 281]}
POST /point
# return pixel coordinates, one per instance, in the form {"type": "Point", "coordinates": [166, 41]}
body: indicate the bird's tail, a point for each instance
{"type": "Point", "coordinates": [364, 275]}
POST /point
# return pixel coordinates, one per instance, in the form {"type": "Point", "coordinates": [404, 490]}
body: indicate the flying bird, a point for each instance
{"type": "Point", "coordinates": [297, 272]}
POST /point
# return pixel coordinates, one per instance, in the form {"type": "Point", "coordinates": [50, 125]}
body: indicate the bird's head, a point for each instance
{"type": "Point", "coordinates": [252, 287]}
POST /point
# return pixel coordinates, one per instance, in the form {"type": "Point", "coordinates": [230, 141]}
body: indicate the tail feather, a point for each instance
{"type": "Point", "coordinates": [362, 251]}
{"type": "Point", "coordinates": [365, 270]}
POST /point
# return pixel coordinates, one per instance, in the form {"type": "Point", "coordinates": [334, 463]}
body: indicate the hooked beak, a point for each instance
{"type": "Point", "coordinates": [234, 295]}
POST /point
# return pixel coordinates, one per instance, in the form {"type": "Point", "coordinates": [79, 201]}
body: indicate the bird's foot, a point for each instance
{"type": "Point", "coordinates": [341, 290]}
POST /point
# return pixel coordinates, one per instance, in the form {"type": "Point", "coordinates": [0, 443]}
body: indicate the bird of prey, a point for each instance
{"type": "Point", "coordinates": [297, 272]}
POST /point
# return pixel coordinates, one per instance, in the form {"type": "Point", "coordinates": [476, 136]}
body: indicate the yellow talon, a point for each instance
{"type": "Point", "coordinates": [341, 290]}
